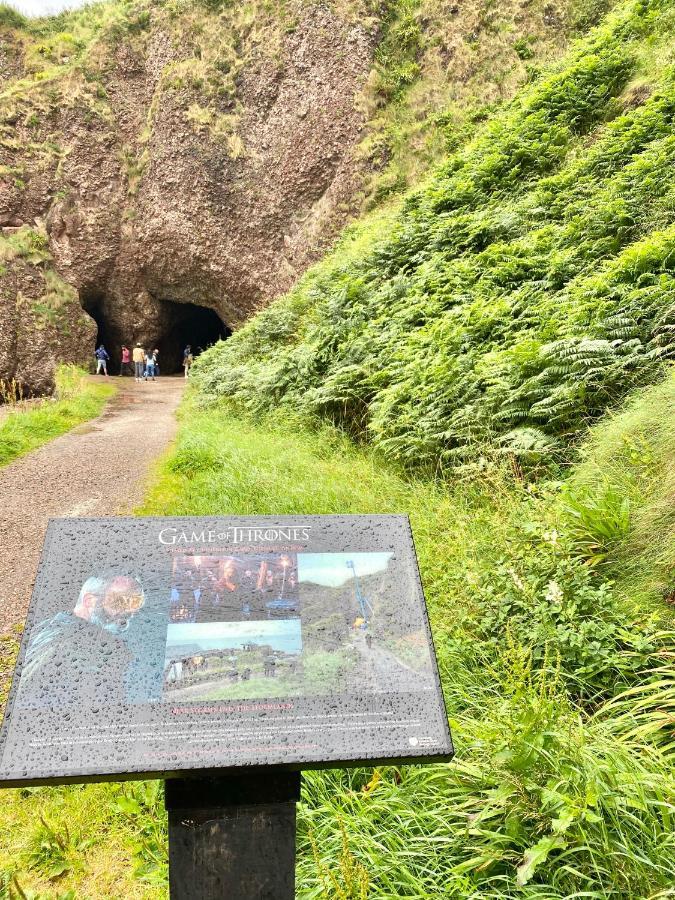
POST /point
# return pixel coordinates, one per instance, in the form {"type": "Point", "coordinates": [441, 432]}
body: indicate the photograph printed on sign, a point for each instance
{"type": "Point", "coordinates": [227, 638]}
{"type": "Point", "coordinates": [355, 639]}
{"type": "Point", "coordinates": [99, 647]}
{"type": "Point", "coordinates": [245, 587]}
{"type": "Point", "coordinates": [227, 660]}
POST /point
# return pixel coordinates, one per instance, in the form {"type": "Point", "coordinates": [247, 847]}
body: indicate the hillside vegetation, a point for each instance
{"type": "Point", "coordinates": [441, 68]}
{"type": "Point", "coordinates": [524, 289]}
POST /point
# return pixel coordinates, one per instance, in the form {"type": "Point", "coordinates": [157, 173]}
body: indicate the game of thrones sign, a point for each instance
{"type": "Point", "coordinates": [160, 646]}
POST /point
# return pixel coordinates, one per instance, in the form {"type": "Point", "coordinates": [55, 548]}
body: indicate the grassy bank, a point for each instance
{"type": "Point", "coordinates": [29, 426]}
{"type": "Point", "coordinates": [523, 290]}
{"type": "Point", "coordinates": [559, 686]}
{"type": "Point", "coordinates": [558, 683]}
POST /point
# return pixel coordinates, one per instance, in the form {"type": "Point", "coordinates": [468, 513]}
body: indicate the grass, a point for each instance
{"type": "Point", "coordinates": [75, 401]}
{"type": "Point", "coordinates": [83, 842]}
{"type": "Point", "coordinates": [537, 802]}
{"type": "Point", "coordinates": [632, 456]}
{"type": "Point", "coordinates": [11, 18]}
{"type": "Point", "coordinates": [563, 784]}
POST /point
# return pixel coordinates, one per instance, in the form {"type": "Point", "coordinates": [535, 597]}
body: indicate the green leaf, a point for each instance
{"type": "Point", "coordinates": [537, 855]}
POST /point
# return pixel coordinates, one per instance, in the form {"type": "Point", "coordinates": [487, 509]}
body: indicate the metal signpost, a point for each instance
{"type": "Point", "coordinates": [224, 656]}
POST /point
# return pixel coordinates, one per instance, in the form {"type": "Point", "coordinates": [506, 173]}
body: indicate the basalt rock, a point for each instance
{"type": "Point", "coordinates": [173, 205]}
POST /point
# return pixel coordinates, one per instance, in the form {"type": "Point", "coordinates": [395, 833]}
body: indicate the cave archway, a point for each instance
{"type": "Point", "coordinates": [169, 329]}
{"type": "Point", "coordinates": [94, 303]}
{"type": "Point", "coordinates": [183, 324]}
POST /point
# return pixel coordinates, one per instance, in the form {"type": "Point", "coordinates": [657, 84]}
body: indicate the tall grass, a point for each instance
{"type": "Point", "coordinates": [632, 457]}
{"type": "Point", "coordinates": [563, 785]}
{"type": "Point", "coordinates": [74, 401]}
{"type": "Point", "coordinates": [11, 18]}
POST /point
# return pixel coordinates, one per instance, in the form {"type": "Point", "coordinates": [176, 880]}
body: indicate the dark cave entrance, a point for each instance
{"type": "Point", "coordinates": [183, 324]}
{"type": "Point", "coordinates": [171, 328]}
{"type": "Point", "coordinates": [93, 302]}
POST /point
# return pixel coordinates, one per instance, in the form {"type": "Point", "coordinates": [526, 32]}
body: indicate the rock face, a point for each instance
{"type": "Point", "coordinates": [41, 322]}
{"type": "Point", "coordinates": [176, 181]}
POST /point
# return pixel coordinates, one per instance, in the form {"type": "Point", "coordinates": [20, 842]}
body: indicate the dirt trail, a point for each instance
{"type": "Point", "coordinates": [98, 469]}
{"type": "Point", "coordinates": [380, 671]}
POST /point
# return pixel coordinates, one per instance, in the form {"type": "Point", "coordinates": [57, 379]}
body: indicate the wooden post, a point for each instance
{"type": "Point", "coordinates": [233, 837]}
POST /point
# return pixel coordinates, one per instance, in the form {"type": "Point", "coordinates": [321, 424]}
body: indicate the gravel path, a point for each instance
{"type": "Point", "coordinates": [98, 468]}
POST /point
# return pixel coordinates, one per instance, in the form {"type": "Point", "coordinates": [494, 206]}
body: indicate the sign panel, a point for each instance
{"type": "Point", "coordinates": [156, 646]}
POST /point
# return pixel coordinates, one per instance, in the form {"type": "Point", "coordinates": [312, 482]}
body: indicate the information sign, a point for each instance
{"type": "Point", "coordinates": [157, 646]}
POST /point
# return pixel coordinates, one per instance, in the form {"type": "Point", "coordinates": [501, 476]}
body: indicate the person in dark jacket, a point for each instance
{"type": "Point", "coordinates": [187, 360]}
{"type": "Point", "coordinates": [81, 656]}
{"type": "Point", "coordinates": [102, 358]}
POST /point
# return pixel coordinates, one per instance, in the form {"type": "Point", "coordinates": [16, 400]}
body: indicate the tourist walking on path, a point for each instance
{"type": "Point", "coordinates": [102, 360]}
{"type": "Point", "coordinates": [125, 366]}
{"type": "Point", "coordinates": [187, 360]}
{"type": "Point", "coordinates": [155, 356]}
{"type": "Point", "coordinates": [139, 362]}
{"type": "Point", "coordinates": [150, 365]}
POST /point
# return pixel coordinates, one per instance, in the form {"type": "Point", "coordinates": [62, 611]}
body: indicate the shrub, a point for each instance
{"type": "Point", "coordinates": [543, 597]}
{"type": "Point", "coordinates": [11, 18]}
